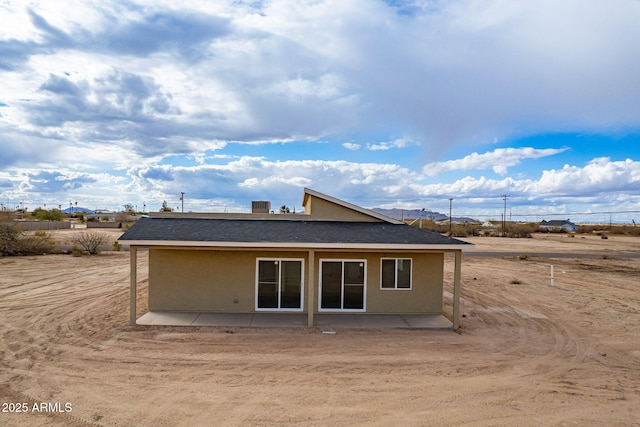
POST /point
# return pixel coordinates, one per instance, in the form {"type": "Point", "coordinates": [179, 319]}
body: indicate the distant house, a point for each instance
{"type": "Point", "coordinates": [558, 225]}
{"type": "Point", "coordinates": [335, 258]}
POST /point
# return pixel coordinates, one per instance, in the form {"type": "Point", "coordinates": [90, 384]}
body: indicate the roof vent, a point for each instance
{"type": "Point", "coordinates": [260, 207]}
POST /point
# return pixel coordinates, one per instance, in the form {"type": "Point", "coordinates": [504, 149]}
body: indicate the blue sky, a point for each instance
{"type": "Point", "coordinates": [384, 104]}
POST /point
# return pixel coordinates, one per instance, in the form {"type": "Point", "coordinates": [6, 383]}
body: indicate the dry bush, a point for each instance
{"type": "Point", "coordinates": [17, 242]}
{"type": "Point", "coordinates": [91, 241]}
{"type": "Point", "coordinates": [521, 230]}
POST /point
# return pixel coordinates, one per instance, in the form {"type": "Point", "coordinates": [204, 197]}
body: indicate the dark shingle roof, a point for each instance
{"type": "Point", "coordinates": [281, 231]}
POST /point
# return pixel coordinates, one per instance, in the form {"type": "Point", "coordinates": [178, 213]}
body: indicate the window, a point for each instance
{"type": "Point", "coordinates": [279, 284]}
{"type": "Point", "coordinates": [342, 285]}
{"type": "Point", "coordinates": [396, 273]}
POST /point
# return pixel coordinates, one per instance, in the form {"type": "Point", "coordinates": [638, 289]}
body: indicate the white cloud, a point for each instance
{"type": "Point", "coordinates": [601, 178]}
{"type": "Point", "coordinates": [118, 86]}
{"type": "Point", "coordinates": [498, 160]}
{"type": "Point", "coordinates": [249, 178]}
{"type": "Point", "coordinates": [454, 72]}
{"type": "Point", "coordinates": [351, 146]}
{"type": "Point", "coordinates": [387, 145]}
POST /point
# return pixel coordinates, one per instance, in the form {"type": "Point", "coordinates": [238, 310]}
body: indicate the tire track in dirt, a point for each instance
{"type": "Point", "coordinates": [565, 356]}
{"type": "Point", "coordinates": [527, 354]}
{"type": "Point", "coordinates": [58, 314]}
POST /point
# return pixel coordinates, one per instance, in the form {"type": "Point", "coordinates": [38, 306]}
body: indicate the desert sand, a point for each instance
{"type": "Point", "coordinates": [527, 353]}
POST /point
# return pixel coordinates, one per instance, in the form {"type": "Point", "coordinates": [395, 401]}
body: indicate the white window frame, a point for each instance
{"type": "Point", "coordinates": [342, 285]}
{"type": "Point", "coordinates": [395, 272]}
{"type": "Point", "coordinates": [302, 284]}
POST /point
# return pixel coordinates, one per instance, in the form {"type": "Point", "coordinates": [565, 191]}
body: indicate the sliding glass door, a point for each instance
{"type": "Point", "coordinates": [342, 285]}
{"type": "Point", "coordinates": [279, 284]}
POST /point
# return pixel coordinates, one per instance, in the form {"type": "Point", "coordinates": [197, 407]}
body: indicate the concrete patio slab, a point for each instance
{"type": "Point", "coordinates": [434, 321]}
{"type": "Point", "coordinates": [276, 320]}
{"type": "Point", "coordinates": [168, 318]}
{"type": "Point", "coordinates": [295, 320]}
{"type": "Point", "coordinates": [224, 319]}
{"type": "Point", "coordinates": [380, 321]}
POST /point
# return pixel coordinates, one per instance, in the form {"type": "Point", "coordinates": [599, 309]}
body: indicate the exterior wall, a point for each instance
{"type": "Point", "coordinates": [323, 209]}
{"type": "Point", "coordinates": [205, 280]}
{"type": "Point", "coordinates": [211, 280]}
{"type": "Point", "coordinates": [425, 295]}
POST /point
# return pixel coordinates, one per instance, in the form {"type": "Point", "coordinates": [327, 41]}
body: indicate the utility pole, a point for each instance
{"type": "Point", "coordinates": [182, 199]}
{"type": "Point", "coordinates": [504, 216]}
{"type": "Point", "coordinates": [450, 204]}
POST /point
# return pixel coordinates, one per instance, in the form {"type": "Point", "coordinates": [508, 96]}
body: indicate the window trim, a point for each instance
{"type": "Point", "coordinates": [395, 272]}
{"type": "Point", "coordinates": [364, 287]}
{"type": "Point", "coordinates": [302, 284]}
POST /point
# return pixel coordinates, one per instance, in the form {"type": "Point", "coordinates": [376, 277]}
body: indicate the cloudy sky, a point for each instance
{"type": "Point", "coordinates": [381, 103]}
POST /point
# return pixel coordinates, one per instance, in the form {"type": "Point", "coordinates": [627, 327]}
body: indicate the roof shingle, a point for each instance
{"type": "Point", "coordinates": [281, 231]}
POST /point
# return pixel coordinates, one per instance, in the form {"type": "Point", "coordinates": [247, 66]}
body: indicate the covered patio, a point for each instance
{"type": "Point", "coordinates": [282, 320]}
{"type": "Point", "coordinates": [309, 319]}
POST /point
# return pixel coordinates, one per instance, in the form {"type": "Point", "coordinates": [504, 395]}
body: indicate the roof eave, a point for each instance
{"type": "Point", "coordinates": [299, 245]}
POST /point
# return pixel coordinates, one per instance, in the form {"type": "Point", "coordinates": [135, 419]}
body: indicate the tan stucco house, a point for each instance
{"type": "Point", "coordinates": [335, 258]}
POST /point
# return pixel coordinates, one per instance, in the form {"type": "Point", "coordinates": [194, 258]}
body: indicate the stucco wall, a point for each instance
{"type": "Point", "coordinates": [204, 280]}
{"type": "Point", "coordinates": [208, 280]}
{"type": "Point", "coordinates": [323, 209]}
{"type": "Point", "coordinates": [425, 295]}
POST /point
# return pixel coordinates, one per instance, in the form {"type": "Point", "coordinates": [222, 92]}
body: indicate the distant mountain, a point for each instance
{"type": "Point", "coordinates": [73, 210]}
{"type": "Point", "coordinates": [410, 214]}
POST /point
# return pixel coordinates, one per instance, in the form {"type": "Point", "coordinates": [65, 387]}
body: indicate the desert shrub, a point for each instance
{"type": "Point", "coordinates": [123, 217]}
{"type": "Point", "coordinates": [521, 230]}
{"type": "Point", "coordinates": [91, 241]}
{"type": "Point", "coordinates": [458, 230]}
{"type": "Point", "coordinates": [515, 281]}
{"type": "Point", "coordinates": [116, 246]}
{"type": "Point", "coordinates": [76, 251]}
{"type": "Point", "coordinates": [45, 215]}
{"type": "Point", "coordinates": [17, 242]}
{"type": "Point", "coordinates": [630, 229]}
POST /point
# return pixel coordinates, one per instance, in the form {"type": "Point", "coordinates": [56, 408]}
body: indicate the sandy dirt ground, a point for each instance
{"type": "Point", "coordinates": [527, 353]}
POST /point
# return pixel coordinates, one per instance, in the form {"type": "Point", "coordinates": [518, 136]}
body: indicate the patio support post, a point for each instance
{"type": "Point", "coordinates": [133, 286]}
{"type": "Point", "coordinates": [456, 290]}
{"type": "Point", "coordinates": [312, 292]}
